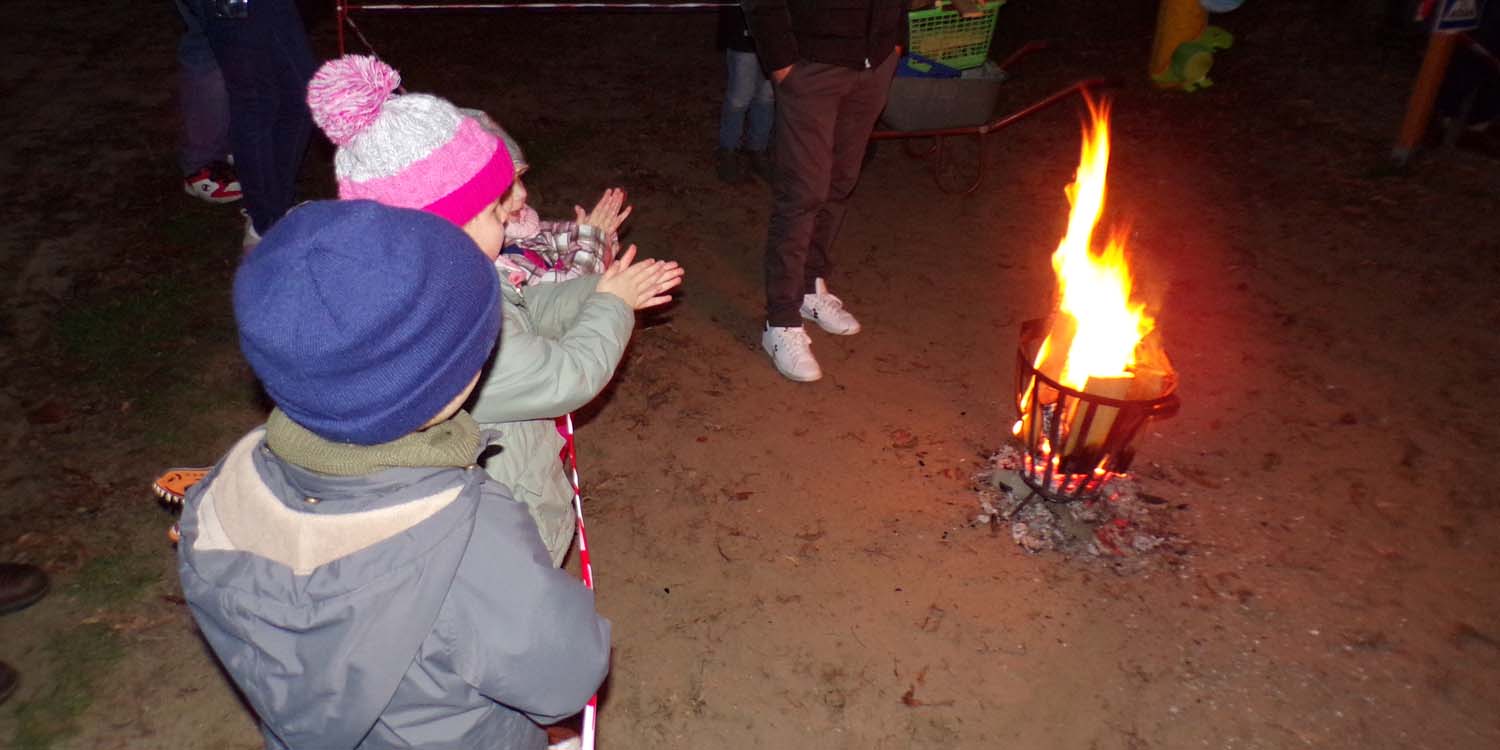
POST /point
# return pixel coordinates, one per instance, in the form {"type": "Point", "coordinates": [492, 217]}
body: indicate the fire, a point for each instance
{"type": "Point", "coordinates": [1099, 372]}
{"type": "Point", "coordinates": [1098, 327]}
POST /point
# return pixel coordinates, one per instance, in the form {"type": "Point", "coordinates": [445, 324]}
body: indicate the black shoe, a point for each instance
{"type": "Point", "coordinates": [760, 164]}
{"type": "Point", "coordinates": [8, 680]}
{"type": "Point", "coordinates": [20, 586]}
{"type": "Point", "coordinates": [727, 164]}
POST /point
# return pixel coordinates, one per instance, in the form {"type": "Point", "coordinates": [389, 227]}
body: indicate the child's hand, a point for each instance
{"type": "Point", "coordinates": [640, 285]}
{"type": "Point", "coordinates": [608, 214]}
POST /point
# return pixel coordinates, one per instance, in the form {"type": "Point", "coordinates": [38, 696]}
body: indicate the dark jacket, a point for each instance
{"type": "Point", "coordinates": [851, 33]}
{"type": "Point", "coordinates": [734, 31]}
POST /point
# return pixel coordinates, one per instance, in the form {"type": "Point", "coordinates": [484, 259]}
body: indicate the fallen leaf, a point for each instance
{"type": "Point", "coordinates": [50, 412]}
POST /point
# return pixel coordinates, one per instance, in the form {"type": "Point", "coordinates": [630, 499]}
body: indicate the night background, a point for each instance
{"type": "Point", "coordinates": [790, 564]}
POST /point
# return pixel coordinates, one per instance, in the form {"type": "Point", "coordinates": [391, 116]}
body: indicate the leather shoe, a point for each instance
{"type": "Point", "coordinates": [20, 586]}
{"type": "Point", "coordinates": [8, 680]}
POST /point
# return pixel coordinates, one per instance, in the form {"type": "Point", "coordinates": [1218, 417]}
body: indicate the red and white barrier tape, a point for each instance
{"type": "Point", "coordinates": [590, 711]}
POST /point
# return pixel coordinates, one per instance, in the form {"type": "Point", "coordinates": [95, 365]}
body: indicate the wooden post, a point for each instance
{"type": "Point", "coordinates": [1424, 94]}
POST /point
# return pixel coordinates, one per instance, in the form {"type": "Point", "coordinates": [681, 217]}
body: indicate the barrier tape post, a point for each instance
{"type": "Point", "coordinates": [590, 711]}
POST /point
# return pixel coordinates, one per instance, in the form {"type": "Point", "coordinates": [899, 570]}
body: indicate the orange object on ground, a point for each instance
{"type": "Point", "coordinates": [173, 484]}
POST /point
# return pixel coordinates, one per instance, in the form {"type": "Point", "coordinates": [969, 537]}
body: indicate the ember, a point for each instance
{"type": "Point", "coordinates": [1091, 376]}
{"type": "Point", "coordinates": [1123, 524]}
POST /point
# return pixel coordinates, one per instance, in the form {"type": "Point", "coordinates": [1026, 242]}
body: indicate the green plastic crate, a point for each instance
{"type": "Point", "coordinates": [943, 35]}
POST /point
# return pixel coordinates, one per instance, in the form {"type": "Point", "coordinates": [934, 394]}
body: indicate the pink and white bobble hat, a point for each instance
{"type": "Point", "coordinates": [412, 150]}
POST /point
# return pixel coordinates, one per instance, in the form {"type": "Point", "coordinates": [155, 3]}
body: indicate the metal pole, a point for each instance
{"type": "Point", "coordinates": [341, 11]}
{"type": "Point", "coordinates": [1424, 94]}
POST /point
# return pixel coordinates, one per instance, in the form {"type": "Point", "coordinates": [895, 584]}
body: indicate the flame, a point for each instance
{"type": "Point", "coordinates": [1094, 288]}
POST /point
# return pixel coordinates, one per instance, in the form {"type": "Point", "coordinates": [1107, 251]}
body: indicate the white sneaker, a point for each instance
{"type": "Point", "coordinates": [791, 351]}
{"type": "Point", "coordinates": [252, 237]}
{"type": "Point", "coordinates": [828, 311]}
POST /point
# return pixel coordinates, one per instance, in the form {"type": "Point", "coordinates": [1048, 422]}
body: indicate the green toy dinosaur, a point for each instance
{"type": "Point", "coordinates": [1192, 60]}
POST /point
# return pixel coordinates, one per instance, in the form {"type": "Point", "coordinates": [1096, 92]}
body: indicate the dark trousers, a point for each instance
{"type": "Point", "coordinates": [1472, 81]}
{"type": "Point", "coordinates": [824, 116]}
{"type": "Point", "coordinates": [201, 99]}
{"type": "Point", "coordinates": [267, 63]}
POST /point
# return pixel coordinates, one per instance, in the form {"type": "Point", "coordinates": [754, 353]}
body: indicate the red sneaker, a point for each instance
{"type": "Point", "coordinates": [214, 183]}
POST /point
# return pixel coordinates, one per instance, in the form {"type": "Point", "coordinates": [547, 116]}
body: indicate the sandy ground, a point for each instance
{"type": "Point", "coordinates": [793, 564]}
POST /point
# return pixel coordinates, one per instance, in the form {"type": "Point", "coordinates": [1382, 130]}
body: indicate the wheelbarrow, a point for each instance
{"type": "Point", "coordinates": [943, 108]}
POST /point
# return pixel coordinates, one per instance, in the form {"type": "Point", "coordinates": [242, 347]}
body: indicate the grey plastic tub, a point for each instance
{"type": "Point", "coordinates": [936, 103]}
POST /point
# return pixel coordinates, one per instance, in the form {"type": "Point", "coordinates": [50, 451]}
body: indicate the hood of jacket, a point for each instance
{"type": "Point", "coordinates": [316, 591]}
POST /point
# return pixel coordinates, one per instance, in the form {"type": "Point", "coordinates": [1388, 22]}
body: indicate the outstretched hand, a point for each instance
{"type": "Point", "coordinates": [640, 285]}
{"type": "Point", "coordinates": [608, 214]}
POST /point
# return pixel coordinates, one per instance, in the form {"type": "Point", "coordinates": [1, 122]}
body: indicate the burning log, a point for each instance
{"type": "Point", "coordinates": [1090, 425]}
{"type": "Point", "coordinates": [1054, 352]}
{"type": "Point", "coordinates": [1091, 421]}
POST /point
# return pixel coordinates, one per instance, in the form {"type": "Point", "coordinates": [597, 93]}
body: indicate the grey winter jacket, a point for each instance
{"type": "Point", "coordinates": [408, 608]}
{"type": "Point", "coordinates": [559, 347]}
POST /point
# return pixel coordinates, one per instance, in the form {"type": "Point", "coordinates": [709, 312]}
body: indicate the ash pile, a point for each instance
{"type": "Point", "coordinates": [1121, 523]}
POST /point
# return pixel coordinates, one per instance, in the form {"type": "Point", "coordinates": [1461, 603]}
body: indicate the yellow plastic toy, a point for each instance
{"type": "Point", "coordinates": [1185, 44]}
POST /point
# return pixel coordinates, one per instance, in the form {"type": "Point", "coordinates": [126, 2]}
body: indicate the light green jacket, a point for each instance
{"type": "Point", "coordinates": [559, 347]}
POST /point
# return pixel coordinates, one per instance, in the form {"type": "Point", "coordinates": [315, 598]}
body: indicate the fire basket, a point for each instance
{"type": "Point", "coordinates": [1075, 440]}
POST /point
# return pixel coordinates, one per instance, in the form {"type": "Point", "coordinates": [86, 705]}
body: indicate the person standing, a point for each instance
{"type": "Point", "coordinates": [831, 62]}
{"type": "Point", "coordinates": [749, 102]}
{"type": "Point", "coordinates": [262, 49]}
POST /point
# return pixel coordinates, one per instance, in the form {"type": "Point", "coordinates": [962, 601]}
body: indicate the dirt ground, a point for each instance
{"type": "Point", "coordinates": [793, 564]}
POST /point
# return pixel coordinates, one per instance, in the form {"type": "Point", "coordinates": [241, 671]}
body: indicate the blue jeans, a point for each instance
{"type": "Point", "coordinates": [748, 92]}
{"type": "Point", "coordinates": [201, 99]}
{"type": "Point", "coordinates": [267, 62]}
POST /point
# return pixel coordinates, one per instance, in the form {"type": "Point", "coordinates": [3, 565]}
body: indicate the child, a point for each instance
{"type": "Point", "coordinates": [362, 582]}
{"type": "Point", "coordinates": [561, 341]}
{"type": "Point", "coordinates": [552, 251]}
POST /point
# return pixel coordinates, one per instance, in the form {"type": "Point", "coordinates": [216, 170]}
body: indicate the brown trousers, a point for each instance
{"type": "Point", "coordinates": [824, 117]}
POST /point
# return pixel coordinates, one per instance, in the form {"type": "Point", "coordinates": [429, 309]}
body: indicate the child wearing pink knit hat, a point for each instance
{"type": "Point", "coordinates": [412, 151]}
{"type": "Point", "coordinates": [539, 250]}
{"type": "Point", "coordinates": [561, 342]}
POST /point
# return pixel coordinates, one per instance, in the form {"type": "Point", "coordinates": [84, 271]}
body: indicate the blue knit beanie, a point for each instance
{"type": "Point", "coordinates": [362, 321]}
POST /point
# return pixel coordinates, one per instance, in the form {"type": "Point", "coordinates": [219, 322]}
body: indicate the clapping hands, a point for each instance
{"type": "Point", "coordinates": [640, 285]}
{"type": "Point", "coordinates": [608, 214]}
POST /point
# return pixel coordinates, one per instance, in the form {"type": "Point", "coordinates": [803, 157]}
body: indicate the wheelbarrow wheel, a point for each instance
{"type": "Point", "coordinates": [920, 148]}
{"type": "Point", "coordinates": [948, 168]}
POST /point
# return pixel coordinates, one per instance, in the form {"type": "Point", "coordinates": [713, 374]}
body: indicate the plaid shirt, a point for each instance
{"type": "Point", "coordinates": [560, 250]}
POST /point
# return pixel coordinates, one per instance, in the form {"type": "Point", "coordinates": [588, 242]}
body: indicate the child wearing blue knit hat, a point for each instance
{"type": "Point", "coordinates": [362, 581]}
